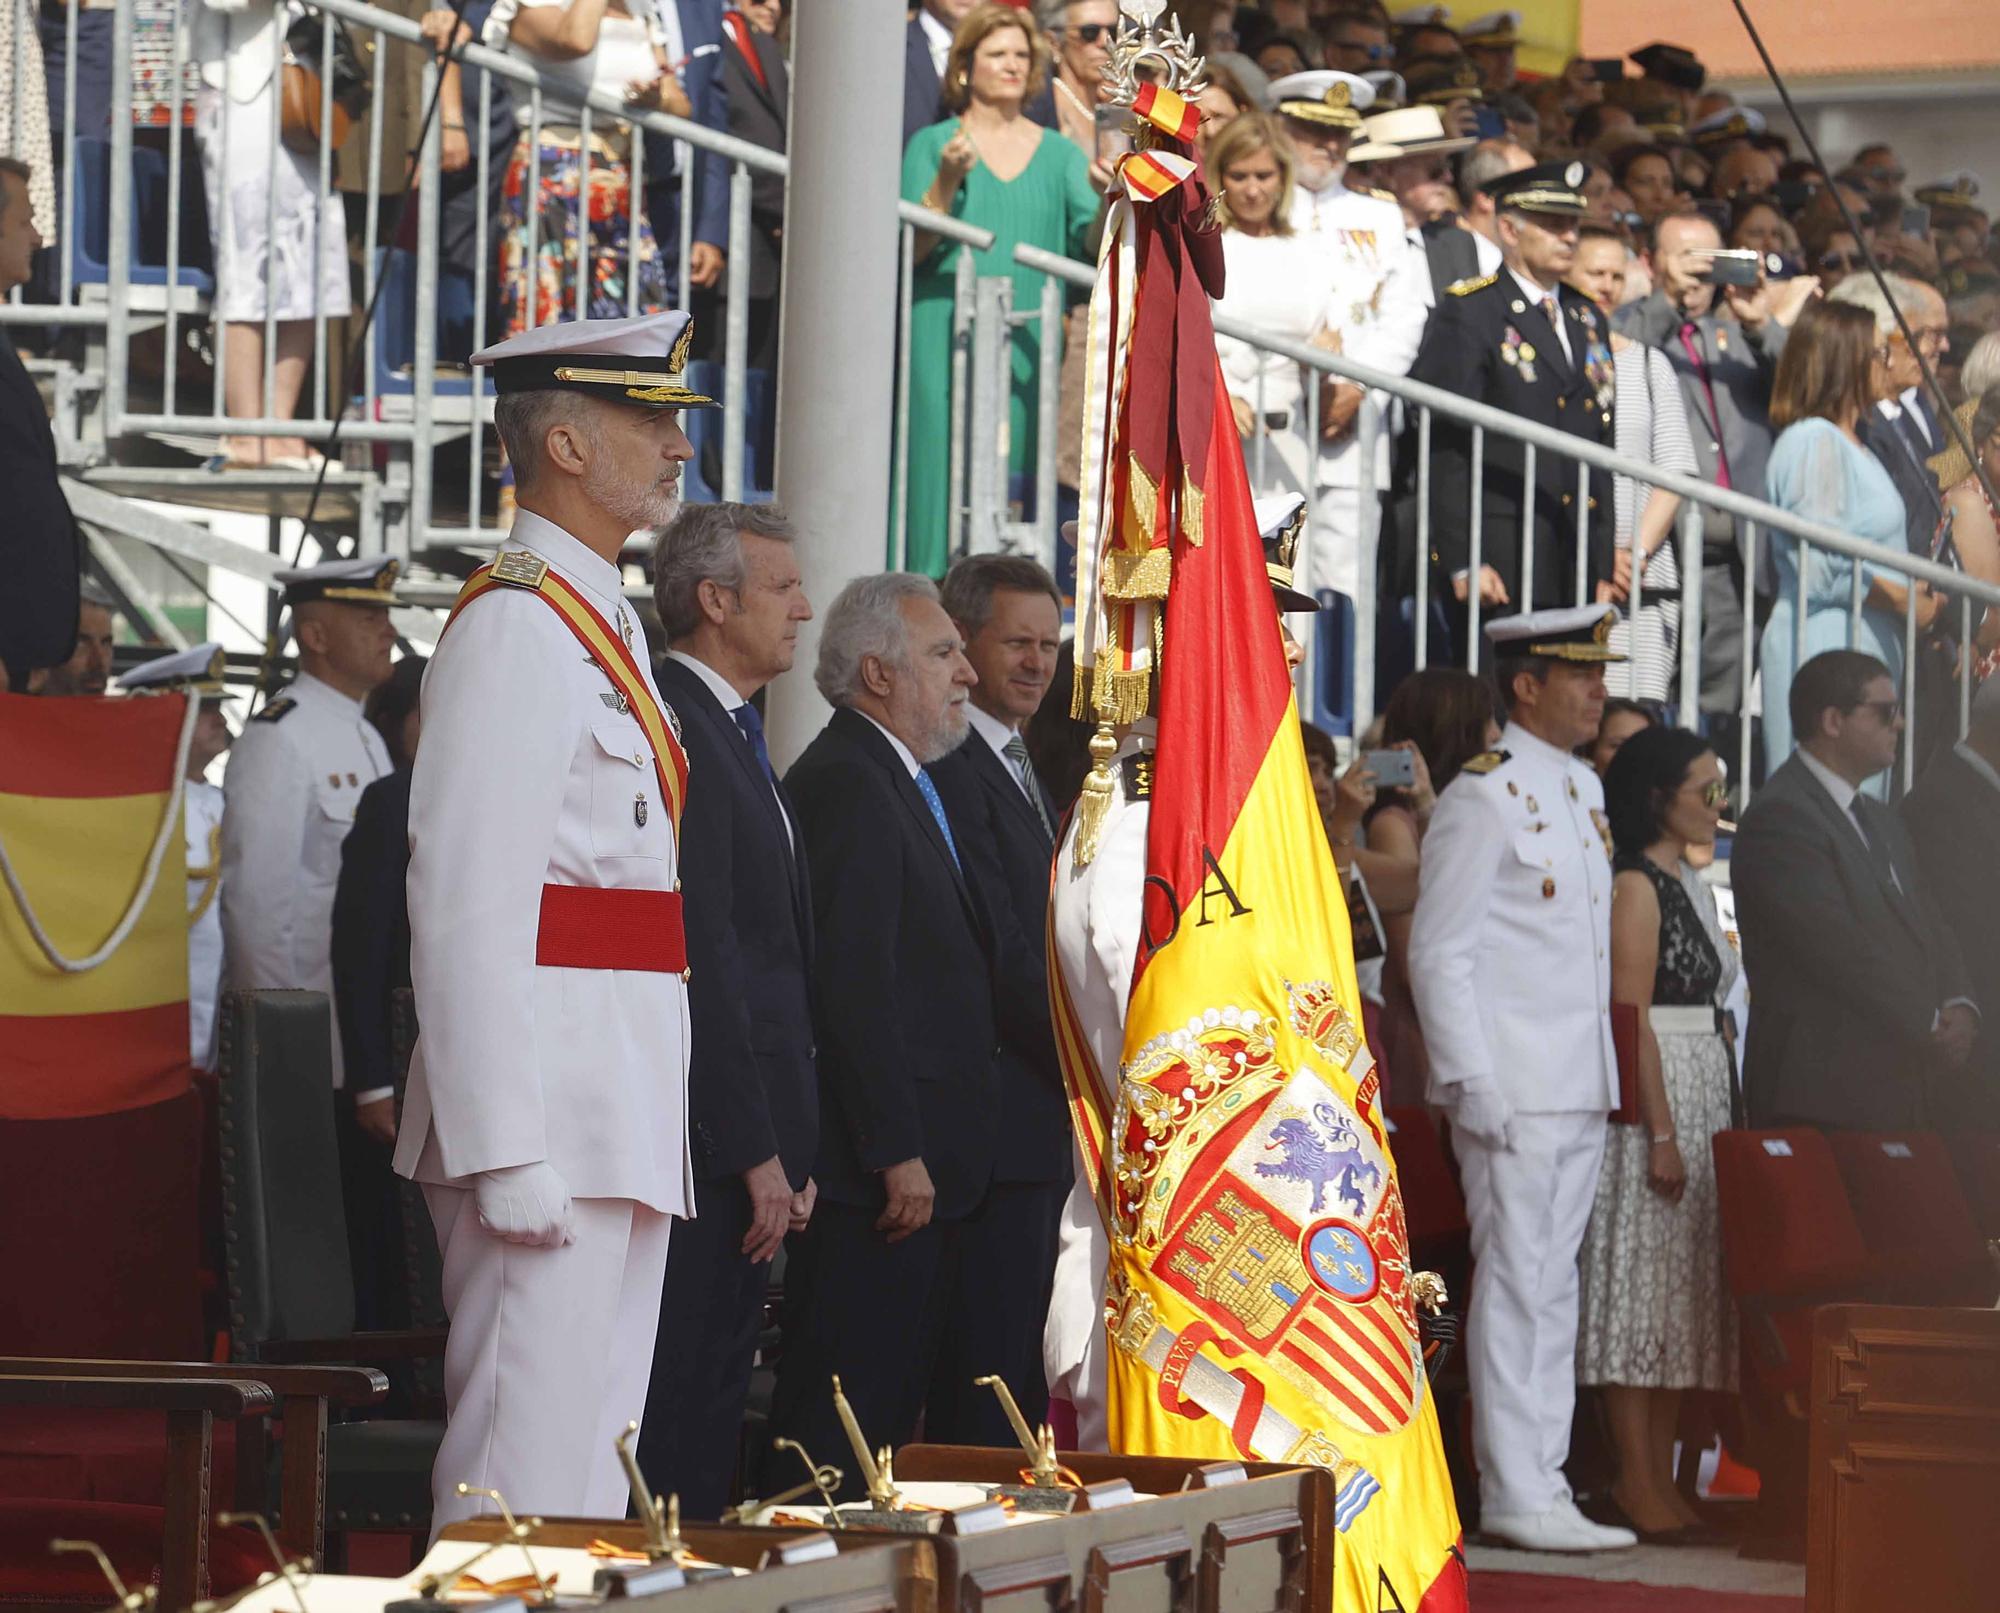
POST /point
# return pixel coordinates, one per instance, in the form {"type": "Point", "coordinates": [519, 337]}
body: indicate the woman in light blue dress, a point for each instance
{"type": "Point", "coordinates": [1829, 373]}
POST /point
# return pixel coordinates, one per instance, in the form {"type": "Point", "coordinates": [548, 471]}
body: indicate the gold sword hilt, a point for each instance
{"type": "Point", "coordinates": [1038, 1445]}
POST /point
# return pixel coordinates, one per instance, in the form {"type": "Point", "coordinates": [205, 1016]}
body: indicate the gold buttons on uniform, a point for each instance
{"type": "Point", "coordinates": [1548, 889]}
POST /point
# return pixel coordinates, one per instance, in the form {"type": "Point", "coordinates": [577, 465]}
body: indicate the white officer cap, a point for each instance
{"type": "Point", "coordinates": [1497, 30]}
{"type": "Point", "coordinates": [192, 671]}
{"type": "Point", "coordinates": [1323, 96]}
{"type": "Point", "coordinates": [1422, 17]}
{"type": "Point", "coordinates": [1280, 520]}
{"type": "Point", "coordinates": [363, 580]}
{"type": "Point", "coordinates": [1576, 633]}
{"type": "Point", "coordinates": [640, 361]}
{"type": "Point", "coordinates": [1730, 124]}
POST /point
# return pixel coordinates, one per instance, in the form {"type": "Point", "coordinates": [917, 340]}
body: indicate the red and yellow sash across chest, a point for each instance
{"type": "Point", "coordinates": [530, 573]}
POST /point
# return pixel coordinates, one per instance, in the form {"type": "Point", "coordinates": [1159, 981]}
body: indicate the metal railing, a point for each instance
{"type": "Point", "coordinates": [408, 427]}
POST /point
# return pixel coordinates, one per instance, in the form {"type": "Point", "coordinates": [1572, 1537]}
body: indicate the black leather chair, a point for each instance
{"type": "Point", "coordinates": [291, 1293]}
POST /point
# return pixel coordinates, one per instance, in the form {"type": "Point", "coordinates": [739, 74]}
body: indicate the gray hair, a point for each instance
{"type": "Point", "coordinates": [704, 543]}
{"type": "Point", "coordinates": [1864, 291]}
{"type": "Point", "coordinates": [867, 619]}
{"type": "Point", "coordinates": [91, 592]}
{"type": "Point", "coordinates": [523, 421]}
{"type": "Point", "coordinates": [969, 587]}
{"type": "Point", "coordinates": [1980, 372]}
{"type": "Point", "coordinates": [1488, 161]}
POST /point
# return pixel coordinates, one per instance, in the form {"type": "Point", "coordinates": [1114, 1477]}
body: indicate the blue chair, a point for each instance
{"type": "Point", "coordinates": [1333, 659]}
{"type": "Point", "coordinates": [396, 324]}
{"type": "Point", "coordinates": [90, 222]}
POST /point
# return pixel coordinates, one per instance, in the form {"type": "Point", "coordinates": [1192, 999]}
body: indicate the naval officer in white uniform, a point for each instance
{"type": "Point", "coordinates": [1096, 929]}
{"type": "Point", "coordinates": [197, 673]}
{"type": "Point", "coordinates": [1378, 303]}
{"type": "Point", "coordinates": [1511, 967]}
{"type": "Point", "coordinates": [296, 773]}
{"type": "Point", "coordinates": [547, 1100]}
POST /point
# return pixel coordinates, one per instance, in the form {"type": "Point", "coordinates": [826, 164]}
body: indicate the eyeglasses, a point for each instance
{"type": "Point", "coordinates": [1886, 711]}
{"type": "Point", "coordinates": [1885, 176]}
{"type": "Point", "coordinates": [1840, 260]}
{"type": "Point", "coordinates": [1090, 32]}
{"type": "Point", "coordinates": [1714, 792]}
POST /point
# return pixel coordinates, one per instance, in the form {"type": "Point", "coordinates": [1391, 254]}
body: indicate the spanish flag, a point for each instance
{"type": "Point", "coordinates": [95, 866]}
{"type": "Point", "coordinates": [1259, 1295]}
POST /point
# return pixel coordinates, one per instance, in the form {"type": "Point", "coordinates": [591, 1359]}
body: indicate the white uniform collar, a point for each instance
{"type": "Point", "coordinates": [718, 685]}
{"type": "Point", "coordinates": [589, 570]}
{"type": "Point", "coordinates": [306, 686]}
{"type": "Point", "coordinates": [1518, 741]}
{"type": "Point", "coordinates": [1534, 293]}
{"type": "Point", "coordinates": [991, 729]}
{"type": "Point", "coordinates": [903, 752]}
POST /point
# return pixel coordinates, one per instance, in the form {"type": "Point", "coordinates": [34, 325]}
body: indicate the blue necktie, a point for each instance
{"type": "Point", "coordinates": [753, 733]}
{"type": "Point", "coordinates": [928, 791]}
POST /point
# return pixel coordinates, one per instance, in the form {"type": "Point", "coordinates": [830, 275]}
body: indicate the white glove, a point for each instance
{"type": "Point", "coordinates": [525, 1204]}
{"type": "Point", "coordinates": [1480, 1111]}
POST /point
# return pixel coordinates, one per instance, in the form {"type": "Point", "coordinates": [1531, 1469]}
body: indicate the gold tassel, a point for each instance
{"type": "Point", "coordinates": [1095, 801]}
{"type": "Point", "coordinates": [1191, 502]}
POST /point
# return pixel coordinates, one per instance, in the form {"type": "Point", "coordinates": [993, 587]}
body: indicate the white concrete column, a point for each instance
{"type": "Point", "coordinates": [836, 369]}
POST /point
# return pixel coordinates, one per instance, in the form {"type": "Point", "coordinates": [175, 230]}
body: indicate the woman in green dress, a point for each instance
{"type": "Point", "coordinates": [994, 167]}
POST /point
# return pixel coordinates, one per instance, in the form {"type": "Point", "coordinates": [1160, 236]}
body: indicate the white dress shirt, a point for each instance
{"type": "Point", "coordinates": [1843, 794]}
{"type": "Point", "coordinates": [998, 737]}
{"type": "Point", "coordinates": [907, 756]}
{"type": "Point", "coordinates": [725, 692]}
{"type": "Point", "coordinates": [938, 37]}
{"type": "Point", "coordinates": [1536, 295]}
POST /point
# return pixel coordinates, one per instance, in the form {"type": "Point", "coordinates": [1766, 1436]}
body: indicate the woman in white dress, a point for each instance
{"type": "Point", "coordinates": [1654, 1319]}
{"type": "Point", "coordinates": [280, 240]}
{"type": "Point", "coordinates": [1276, 282]}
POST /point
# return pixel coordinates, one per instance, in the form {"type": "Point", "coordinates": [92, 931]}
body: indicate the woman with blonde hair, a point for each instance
{"type": "Point", "coordinates": [1275, 281]}
{"type": "Point", "coordinates": [990, 165]}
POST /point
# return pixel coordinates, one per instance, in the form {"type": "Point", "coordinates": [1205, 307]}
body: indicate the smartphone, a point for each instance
{"type": "Point", "coordinates": [1393, 769]}
{"type": "Point", "coordinates": [1606, 69]}
{"type": "Point", "coordinates": [1917, 221]}
{"type": "Point", "coordinates": [1488, 124]}
{"type": "Point", "coordinates": [1733, 266]}
{"type": "Point", "coordinates": [1779, 267]}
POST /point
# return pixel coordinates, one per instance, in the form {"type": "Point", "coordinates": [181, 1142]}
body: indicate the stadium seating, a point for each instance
{"type": "Point", "coordinates": [90, 220]}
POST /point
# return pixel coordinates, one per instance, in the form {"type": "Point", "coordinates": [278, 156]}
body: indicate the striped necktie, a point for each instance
{"type": "Point", "coordinates": [1017, 753]}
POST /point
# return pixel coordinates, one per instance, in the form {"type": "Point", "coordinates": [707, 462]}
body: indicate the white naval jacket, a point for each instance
{"type": "Point", "coordinates": [1096, 929]}
{"type": "Point", "coordinates": [529, 775]}
{"type": "Point", "coordinates": [295, 775]}
{"type": "Point", "coordinates": [1510, 949]}
{"type": "Point", "coordinates": [202, 820]}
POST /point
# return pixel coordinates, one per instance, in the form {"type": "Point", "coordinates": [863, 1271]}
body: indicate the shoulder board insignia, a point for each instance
{"type": "Point", "coordinates": [519, 569]}
{"type": "Point", "coordinates": [1465, 288]}
{"type": "Point", "coordinates": [1381, 195]}
{"type": "Point", "coordinates": [1486, 761]}
{"type": "Point", "coordinates": [274, 710]}
{"type": "Point", "coordinates": [673, 721]}
{"type": "Point", "coordinates": [1137, 771]}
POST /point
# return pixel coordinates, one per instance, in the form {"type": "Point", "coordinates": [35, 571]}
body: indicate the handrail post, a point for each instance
{"type": "Point", "coordinates": [1687, 536]}
{"type": "Point", "coordinates": [423, 400]}
{"type": "Point", "coordinates": [118, 278]}
{"type": "Point", "coordinates": [735, 332]}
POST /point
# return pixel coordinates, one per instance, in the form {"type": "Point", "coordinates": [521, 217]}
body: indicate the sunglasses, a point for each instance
{"type": "Point", "coordinates": [1841, 260]}
{"type": "Point", "coordinates": [1090, 32]}
{"type": "Point", "coordinates": [1714, 793]}
{"type": "Point", "coordinates": [1886, 711]}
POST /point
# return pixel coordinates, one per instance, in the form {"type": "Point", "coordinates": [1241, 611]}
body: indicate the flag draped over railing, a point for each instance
{"type": "Point", "coordinates": [1260, 1298]}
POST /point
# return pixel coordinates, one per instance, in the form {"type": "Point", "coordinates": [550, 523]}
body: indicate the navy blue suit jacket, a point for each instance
{"type": "Point", "coordinates": [701, 37]}
{"type": "Point", "coordinates": [923, 102]}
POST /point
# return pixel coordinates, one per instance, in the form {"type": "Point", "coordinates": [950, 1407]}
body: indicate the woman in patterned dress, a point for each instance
{"type": "Point", "coordinates": [1655, 1319]}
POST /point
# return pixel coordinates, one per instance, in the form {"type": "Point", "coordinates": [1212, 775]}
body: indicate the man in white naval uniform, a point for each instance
{"type": "Point", "coordinates": [289, 795]}
{"type": "Point", "coordinates": [1510, 962]}
{"type": "Point", "coordinates": [197, 673]}
{"type": "Point", "coordinates": [1096, 930]}
{"type": "Point", "coordinates": [546, 1114]}
{"type": "Point", "coordinates": [1378, 300]}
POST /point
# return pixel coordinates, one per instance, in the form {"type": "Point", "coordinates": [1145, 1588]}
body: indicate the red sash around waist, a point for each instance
{"type": "Point", "coordinates": [592, 927]}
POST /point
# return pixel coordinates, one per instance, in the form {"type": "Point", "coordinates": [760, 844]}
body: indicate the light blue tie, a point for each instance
{"type": "Point", "coordinates": [928, 791]}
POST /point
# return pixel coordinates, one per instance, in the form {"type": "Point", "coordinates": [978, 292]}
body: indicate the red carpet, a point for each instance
{"type": "Point", "coordinates": [1544, 1593]}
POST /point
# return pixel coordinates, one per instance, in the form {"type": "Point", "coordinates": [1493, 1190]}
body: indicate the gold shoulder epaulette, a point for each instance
{"type": "Point", "coordinates": [1485, 762]}
{"type": "Point", "coordinates": [275, 709]}
{"type": "Point", "coordinates": [1137, 772]}
{"type": "Point", "coordinates": [519, 569]}
{"type": "Point", "coordinates": [1381, 195]}
{"type": "Point", "coordinates": [1464, 288]}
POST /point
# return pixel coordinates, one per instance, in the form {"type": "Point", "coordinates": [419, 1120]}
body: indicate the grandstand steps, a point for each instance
{"type": "Point", "coordinates": [247, 492]}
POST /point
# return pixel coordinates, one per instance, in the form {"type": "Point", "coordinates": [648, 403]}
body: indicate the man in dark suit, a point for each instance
{"type": "Point", "coordinates": [728, 589]}
{"type": "Point", "coordinates": [759, 88]}
{"type": "Point", "coordinates": [39, 605]}
{"type": "Point", "coordinates": [694, 29]}
{"type": "Point", "coordinates": [1953, 817]}
{"type": "Point", "coordinates": [925, 49]}
{"type": "Point", "coordinates": [1522, 341]}
{"type": "Point", "coordinates": [1008, 610]}
{"type": "Point", "coordinates": [1862, 1004]}
{"type": "Point", "coordinates": [908, 1038]}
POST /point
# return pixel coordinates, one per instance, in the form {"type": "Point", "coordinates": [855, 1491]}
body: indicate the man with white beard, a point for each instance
{"type": "Point", "coordinates": [546, 1112]}
{"type": "Point", "coordinates": [1377, 305]}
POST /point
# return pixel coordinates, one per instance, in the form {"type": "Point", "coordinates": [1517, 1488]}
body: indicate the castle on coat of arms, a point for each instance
{"type": "Point", "coordinates": [1233, 1257]}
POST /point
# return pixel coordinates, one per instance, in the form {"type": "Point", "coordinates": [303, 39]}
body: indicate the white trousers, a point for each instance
{"type": "Point", "coordinates": [548, 1358]}
{"type": "Point", "coordinates": [1528, 1206]}
{"type": "Point", "coordinates": [1073, 1340]}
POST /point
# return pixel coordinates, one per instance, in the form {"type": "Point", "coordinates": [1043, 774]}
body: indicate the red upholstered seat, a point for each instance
{"type": "Point", "coordinates": [1977, 1156]}
{"type": "Point", "coordinates": [1926, 1243]}
{"type": "Point", "coordinates": [50, 1451]}
{"type": "Point", "coordinates": [130, 1536]}
{"type": "Point", "coordinates": [1789, 1242]}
